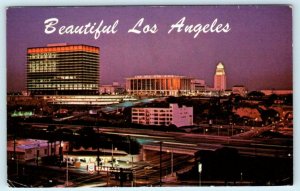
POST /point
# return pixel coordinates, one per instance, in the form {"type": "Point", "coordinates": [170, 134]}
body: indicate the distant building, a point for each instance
{"type": "Point", "coordinates": [220, 78]}
{"type": "Point", "coordinates": [227, 92]}
{"type": "Point", "coordinates": [160, 85]}
{"type": "Point", "coordinates": [61, 69]}
{"type": "Point", "coordinates": [113, 89]}
{"type": "Point", "coordinates": [278, 92]}
{"type": "Point", "coordinates": [239, 90]}
{"type": "Point", "coordinates": [179, 116]}
{"type": "Point", "coordinates": [198, 86]}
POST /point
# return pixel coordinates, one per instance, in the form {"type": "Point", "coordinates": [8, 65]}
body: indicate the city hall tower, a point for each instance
{"type": "Point", "coordinates": [220, 78]}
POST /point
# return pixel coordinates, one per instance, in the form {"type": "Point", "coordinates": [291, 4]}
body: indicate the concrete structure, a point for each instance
{"type": "Point", "coordinates": [179, 116]}
{"type": "Point", "coordinates": [159, 85]}
{"type": "Point", "coordinates": [61, 69]}
{"type": "Point", "coordinates": [32, 149]}
{"type": "Point", "coordinates": [220, 78]}
{"type": "Point", "coordinates": [87, 100]}
{"type": "Point", "coordinates": [239, 90]}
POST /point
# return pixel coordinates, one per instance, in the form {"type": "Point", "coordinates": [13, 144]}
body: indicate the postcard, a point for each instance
{"type": "Point", "coordinates": [149, 96]}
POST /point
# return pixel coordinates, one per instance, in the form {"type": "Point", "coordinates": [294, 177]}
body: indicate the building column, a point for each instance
{"type": "Point", "coordinates": [159, 81]}
{"type": "Point", "coordinates": [165, 82]}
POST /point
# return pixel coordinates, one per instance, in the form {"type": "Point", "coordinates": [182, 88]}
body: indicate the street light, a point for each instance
{"type": "Point", "coordinates": [67, 171]}
{"type": "Point", "coordinates": [98, 151]}
{"type": "Point", "coordinates": [37, 154]}
{"type": "Point", "coordinates": [61, 152]}
{"type": "Point", "coordinates": [205, 131]}
{"type": "Point", "coordinates": [16, 160]}
{"type": "Point", "coordinates": [241, 177]}
{"type": "Point", "coordinates": [245, 122]}
{"type": "Point", "coordinates": [129, 151]}
{"type": "Point", "coordinates": [134, 178]}
{"type": "Point", "coordinates": [145, 174]}
{"type": "Point", "coordinates": [200, 171]}
{"type": "Point", "coordinates": [171, 162]}
{"type": "Point", "coordinates": [112, 154]}
{"type": "Point", "coordinates": [219, 129]}
{"type": "Point", "coordinates": [160, 163]}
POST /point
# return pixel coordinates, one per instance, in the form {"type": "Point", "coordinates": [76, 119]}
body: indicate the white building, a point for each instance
{"type": "Point", "coordinates": [179, 116]}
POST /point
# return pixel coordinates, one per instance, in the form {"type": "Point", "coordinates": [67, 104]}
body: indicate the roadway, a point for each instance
{"type": "Point", "coordinates": [192, 142]}
{"type": "Point", "coordinates": [277, 147]}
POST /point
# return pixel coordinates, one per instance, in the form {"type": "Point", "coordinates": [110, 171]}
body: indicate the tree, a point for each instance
{"type": "Point", "coordinates": [87, 137]}
{"type": "Point", "coordinates": [268, 115]}
{"type": "Point", "coordinates": [86, 131]}
{"type": "Point", "coordinates": [237, 100]}
{"type": "Point", "coordinates": [270, 100]}
{"type": "Point", "coordinates": [228, 162]}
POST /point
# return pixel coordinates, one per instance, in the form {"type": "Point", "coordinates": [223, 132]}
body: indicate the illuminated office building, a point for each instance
{"type": "Point", "coordinates": [220, 78]}
{"type": "Point", "coordinates": [63, 70]}
{"type": "Point", "coordinates": [162, 85]}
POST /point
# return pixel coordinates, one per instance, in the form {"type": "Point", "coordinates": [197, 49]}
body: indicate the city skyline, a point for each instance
{"type": "Point", "coordinates": [256, 52]}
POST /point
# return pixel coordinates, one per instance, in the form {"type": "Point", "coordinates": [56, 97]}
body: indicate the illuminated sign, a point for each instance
{"type": "Point", "coordinates": [22, 114]}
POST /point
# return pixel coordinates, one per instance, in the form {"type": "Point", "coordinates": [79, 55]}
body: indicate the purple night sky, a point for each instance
{"type": "Point", "coordinates": [256, 52]}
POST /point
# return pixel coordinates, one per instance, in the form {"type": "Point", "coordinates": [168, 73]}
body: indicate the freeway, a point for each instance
{"type": "Point", "coordinates": [278, 147]}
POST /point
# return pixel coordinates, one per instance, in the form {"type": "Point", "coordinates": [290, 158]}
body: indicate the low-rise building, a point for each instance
{"type": "Point", "coordinates": [32, 149]}
{"type": "Point", "coordinates": [239, 90]}
{"type": "Point", "coordinates": [179, 116]}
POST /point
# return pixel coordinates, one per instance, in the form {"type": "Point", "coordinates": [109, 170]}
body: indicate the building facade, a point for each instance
{"type": "Point", "coordinates": [61, 69]}
{"type": "Point", "coordinates": [179, 116]}
{"type": "Point", "coordinates": [32, 149]}
{"type": "Point", "coordinates": [220, 78]}
{"type": "Point", "coordinates": [198, 86]}
{"type": "Point", "coordinates": [159, 85]}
